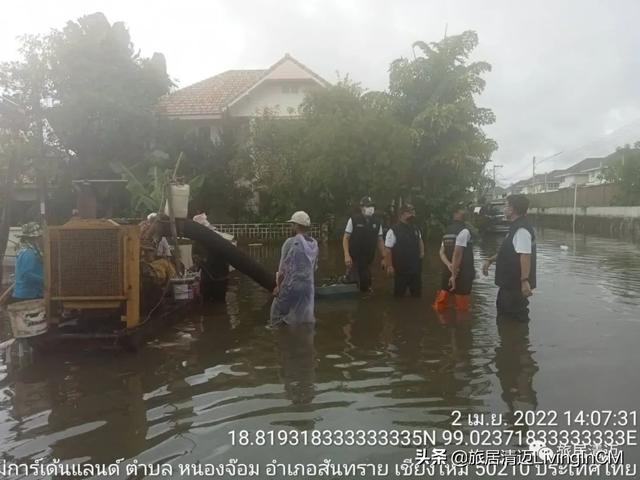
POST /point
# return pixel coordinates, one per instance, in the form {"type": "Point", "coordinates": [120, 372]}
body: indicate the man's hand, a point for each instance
{"type": "Point", "coordinates": [389, 269]}
{"type": "Point", "coordinates": [526, 289]}
{"type": "Point", "coordinates": [276, 291]}
{"type": "Point", "coordinates": [452, 283]}
{"type": "Point", "coordinates": [348, 261]}
{"type": "Point", "coordinates": [485, 267]}
{"type": "Point", "coordinates": [450, 267]}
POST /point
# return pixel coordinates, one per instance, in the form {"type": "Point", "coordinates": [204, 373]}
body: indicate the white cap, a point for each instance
{"type": "Point", "coordinates": [300, 218]}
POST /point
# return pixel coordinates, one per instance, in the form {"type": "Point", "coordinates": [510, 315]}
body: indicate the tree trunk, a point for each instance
{"type": "Point", "coordinates": [5, 213]}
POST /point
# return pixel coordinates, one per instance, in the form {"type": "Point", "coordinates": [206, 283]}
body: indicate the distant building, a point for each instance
{"type": "Point", "coordinates": [589, 171]}
{"type": "Point", "coordinates": [279, 89]}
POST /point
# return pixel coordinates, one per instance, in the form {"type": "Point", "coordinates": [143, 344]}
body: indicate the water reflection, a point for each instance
{"type": "Point", "coordinates": [297, 356]}
{"type": "Point", "coordinates": [515, 366]}
{"type": "Point", "coordinates": [373, 363]}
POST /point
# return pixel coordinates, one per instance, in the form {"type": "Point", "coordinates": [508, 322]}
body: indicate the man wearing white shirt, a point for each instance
{"type": "Point", "coordinates": [456, 253]}
{"type": "Point", "coordinates": [515, 262]}
{"type": "Point", "coordinates": [404, 251]}
{"type": "Point", "coordinates": [362, 236]}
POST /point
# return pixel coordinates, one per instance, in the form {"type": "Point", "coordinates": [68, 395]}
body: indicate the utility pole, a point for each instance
{"type": "Point", "coordinates": [533, 178]}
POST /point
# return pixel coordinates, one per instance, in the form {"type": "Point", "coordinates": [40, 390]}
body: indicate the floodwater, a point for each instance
{"type": "Point", "coordinates": [372, 363]}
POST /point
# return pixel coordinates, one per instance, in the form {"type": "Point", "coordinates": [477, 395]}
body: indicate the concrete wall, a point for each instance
{"type": "Point", "coordinates": [624, 228]}
{"type": "Point", "coordinates": [609, 212]}
{"type": "Point", "coordinates": [588, 196]}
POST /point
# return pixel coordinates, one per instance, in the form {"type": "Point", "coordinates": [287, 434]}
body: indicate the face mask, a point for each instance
{"type": "Point", "coordinates": [368, 211]}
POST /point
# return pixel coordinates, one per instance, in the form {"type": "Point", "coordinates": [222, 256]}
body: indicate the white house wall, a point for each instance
{"type": "Point", "coordinates": [571, 180]}
{"type": "Point", "coordinates": [289, 70]}
{"type": "Point", "coordinates": [274, 95]}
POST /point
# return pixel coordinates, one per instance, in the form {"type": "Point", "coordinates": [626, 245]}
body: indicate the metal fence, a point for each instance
{"type": "Point", "coordinates": [267, 231]}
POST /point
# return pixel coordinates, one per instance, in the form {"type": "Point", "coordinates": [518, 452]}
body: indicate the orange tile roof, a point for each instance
{"type": "Point", "coordinates": [210, 96]}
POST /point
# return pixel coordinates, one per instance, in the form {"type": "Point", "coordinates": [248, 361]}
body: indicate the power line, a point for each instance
{"type": "Point", "coordinates": [608, 136]}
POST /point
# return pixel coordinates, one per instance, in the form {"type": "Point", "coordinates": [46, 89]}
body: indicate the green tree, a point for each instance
{"type": "Point", "coordinates": [624, 170]}
{"type": "Point", "coordinates": [26, 143]}
{"type": "Point", "coordinates": [353, 147]}
{"type": "Point", "coordinates": [434, 95]}
{"type": "Point", "coordinates": [104, 94]}
{"type": "Point", "coordinates": [342, 147]}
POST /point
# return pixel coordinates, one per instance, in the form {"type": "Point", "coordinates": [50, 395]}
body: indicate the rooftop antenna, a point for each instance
{"type": "Point", "coordinates": [446, 25]}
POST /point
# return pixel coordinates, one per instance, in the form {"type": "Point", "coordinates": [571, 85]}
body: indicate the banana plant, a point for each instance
{"type": "Point", "coordinates": [147, 184]}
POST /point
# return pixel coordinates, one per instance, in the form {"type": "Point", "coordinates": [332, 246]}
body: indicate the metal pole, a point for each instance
{"type": "Point", "coordinates": [575, 201]}
{"type": "Point", "coordinates": [533, 178]}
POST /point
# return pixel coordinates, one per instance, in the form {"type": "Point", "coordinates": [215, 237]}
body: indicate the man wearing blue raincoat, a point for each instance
{"type": "Point", "coordinates": [294, 293]}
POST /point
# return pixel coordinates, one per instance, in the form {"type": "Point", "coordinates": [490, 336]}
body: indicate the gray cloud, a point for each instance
{"type": "Point", "coordinates": [564, 72]}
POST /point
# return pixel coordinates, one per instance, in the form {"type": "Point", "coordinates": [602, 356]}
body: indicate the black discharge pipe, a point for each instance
{"type": "Point", "coordinates": [218, 246]}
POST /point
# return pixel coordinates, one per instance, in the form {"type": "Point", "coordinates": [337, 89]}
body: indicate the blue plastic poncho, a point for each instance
{"type": "Point", "coordinates": [29, 274]}
{"type": "Point", "coordinates": [294, 303]}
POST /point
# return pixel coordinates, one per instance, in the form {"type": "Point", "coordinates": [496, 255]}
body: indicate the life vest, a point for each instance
{"type": "Point", "coordinates": [405, 254]}
{"type": "Point", "coordinates": [467, 269]}
{"type": "Point", "coordinates": [508, 261]}
{"type": "Point", "coordinates": [364, 237]}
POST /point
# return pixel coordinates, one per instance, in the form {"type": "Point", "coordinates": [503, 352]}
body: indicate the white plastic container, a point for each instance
{"type": "Point", "coordinates": [185, 255]}
{"type": "Point", "coordinates": [27, 318]}
{"type": "Point", "coordinates": [183, 288]}
{"type": "Point", "coordinates": [179, 199]}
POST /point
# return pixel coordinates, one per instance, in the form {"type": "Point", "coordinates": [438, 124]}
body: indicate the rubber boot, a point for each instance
{"type": "Point", "coordinates": [440, 303]}
{"type": "Point", "coordinates": [463, 302]}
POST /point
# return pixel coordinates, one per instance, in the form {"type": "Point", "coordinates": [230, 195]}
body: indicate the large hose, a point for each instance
{"type": "Point", "coordinates": [218, 246]}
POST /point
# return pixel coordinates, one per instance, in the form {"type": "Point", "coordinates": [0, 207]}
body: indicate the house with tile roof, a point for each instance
{"type": "Point", "coordinates": [279, 89]}
{"type": "Point", "coordinates": [587, 172]}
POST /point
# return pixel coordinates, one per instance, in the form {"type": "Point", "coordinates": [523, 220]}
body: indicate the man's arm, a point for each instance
{"type": "Point", "coordinates": [348, 230]}
{"type": "Point", "coordinates": [345, 248]}
{"type": "Point", "coordinates": [387, 260]}
{"type": "Point", "coordinates": [389, 243]}
{"type": "Point", "coordinates": [525, 270]}
{"type": "Point", "coordinates": [487, 263]}
{"type": "Point", "coordinates": [456, 260]}
{"type": "Point", "coordinates": [443, 257]}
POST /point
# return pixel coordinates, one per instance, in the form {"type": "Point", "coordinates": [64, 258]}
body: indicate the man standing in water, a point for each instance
{"type": "Point", "coordinates": [404, 251]}
{"type": "Point", "coordinates": [456, 253]}
{"type": "Point", "coordinates": [515, 262]}
{"type": "Point", "coordinates": [294, 293]}
{"type": "Point", "coordinates": [362, 235]}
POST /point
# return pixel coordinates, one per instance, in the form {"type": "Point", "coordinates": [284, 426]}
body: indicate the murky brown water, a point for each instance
{"type": "Point", "coordinates": [374, 363]}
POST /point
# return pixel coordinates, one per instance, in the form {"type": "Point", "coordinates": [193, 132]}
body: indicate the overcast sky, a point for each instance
{"type": "Point", "coordinates": [566, 74]}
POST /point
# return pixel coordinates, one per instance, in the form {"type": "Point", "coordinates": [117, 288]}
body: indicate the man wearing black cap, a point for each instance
{"type": "Point", "coordinates": [404, 251]}
{"type": "Point", "coordinates": [362, 235]}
